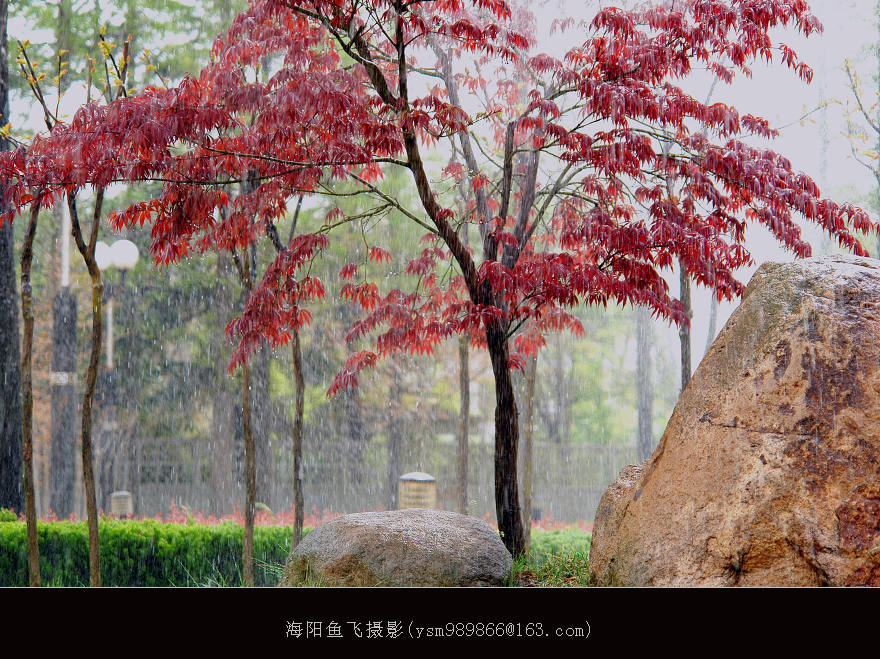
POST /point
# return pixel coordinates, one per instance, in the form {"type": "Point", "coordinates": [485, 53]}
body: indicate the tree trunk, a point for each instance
{"type": "Point", "coordinates": [261, 412]}
{"type": "Point", "coordinates": [11, 494]}
{"type": "Point", "coordinates": [644, 388]}
{"type": "Point", "coordinates": [87, 459]}
{"type": "Point", "coordinates": [464, 417]}
{"type": "Point", "coordinates": [713, 322]}
{"type": "Point", "coordinates": [507, 508]}
{"type": "Point", "coordinates": [684, 332]}
{"type": "Point", "coordinates": [250, 476]}
{"type": "Point", "coordinates": [246, 276]}
{"type": "Point", "coordinates": [395, 439]}
{"type": "Point", "coordinates": [63, 453]}
{"type": "Point", "coordinates": [355, 438]}
{"type": "Point", "coordinates": [528, 438]}
{"type": "Point", "coordinates": [223, 426]}
{"type": "Point", "coordinates": [27, 395]}
{"type": "Point", "coordinates": [298, 512]}
{"type": "Point", "coordinates": [88, 253]}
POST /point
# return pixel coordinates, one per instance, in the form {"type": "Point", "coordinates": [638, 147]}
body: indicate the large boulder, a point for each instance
{"type": "Point", "coordinates": [768, 472]}
{"type": "Point", "coordinates": [414, 547]}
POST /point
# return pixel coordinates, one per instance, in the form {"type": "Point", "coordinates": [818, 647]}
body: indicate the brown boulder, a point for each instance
{"type": "Point", "coordinates": [768, 472]}
{"type": "Point", "coordinates": [413, 547]}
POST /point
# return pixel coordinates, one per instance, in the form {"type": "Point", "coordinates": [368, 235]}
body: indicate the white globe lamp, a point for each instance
{"type": "Point", "coordinates": [124, 254]}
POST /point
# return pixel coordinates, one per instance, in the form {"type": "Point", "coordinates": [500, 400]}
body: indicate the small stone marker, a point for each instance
{"type": "Point", "coordinates": [417, 490]}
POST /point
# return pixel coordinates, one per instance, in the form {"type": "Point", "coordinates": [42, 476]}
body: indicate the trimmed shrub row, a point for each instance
{"type": "Point", "coordinates": [153, 553]}
{"type": "Point", "coordinates": [143, 553]}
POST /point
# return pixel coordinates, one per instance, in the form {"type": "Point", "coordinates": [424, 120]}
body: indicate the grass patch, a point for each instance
{"type": "Point", "coordinates": [556, 558]}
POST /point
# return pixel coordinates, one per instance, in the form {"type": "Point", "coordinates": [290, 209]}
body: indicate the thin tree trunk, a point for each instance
{"type": "Point", "coordinates": [298, 512]}
{"type": "Point", "coordinates": [11, 495]}
{"type": "Point", "coordinates": [644, 388]}
{"type": "Point", "coordinates": [27, 395]}
{"type": "Point", "coordinates": [88, 253]}
{"type": "Point", "coordinates": [713, 322]}
{"type": "Point", "coordinates": [684, 332]}
{"type": "Point", "coordinates": [261, 413]}
{"type": "Point", "coordinates": [87, 458]}
{"type": "Point", "coordinates": [528, 438]}
{"type": "Point", "coordinates": [223, 399]}
{"type": "Point", "coordinates": [356, 438]}
{"type": "Point", "coordinates": [63, 454]}
{"type": "Point", "coordinates": [395, 440]}
{"type": "Point", "coordinates": [464, 417]}
{"type": "Point", "coordinates": [250, 476]}
{"type": "Point", "coordinates": [507, 507]}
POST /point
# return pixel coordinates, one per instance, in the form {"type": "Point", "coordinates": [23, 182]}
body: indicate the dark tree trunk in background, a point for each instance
{"type": "Point", "coordinates": [507, 508]}
{"type": "Point", "coordinates": [133, 9]}
{"type": "Point", "coordinates": [528, 438]}
{"type": "Point", "coordinates": [298, 512]}
{"type": "Point", "coordinates": [63, 454]}
{"type": "Point", "coordinates": [223, 417]}
{"type": "Point", "coordinates": [351, 402]}
{"type": "Point", "coordinates": [250, 477]}
{"type": "Point", "coordinates": [644, 385]}
{"type": "Point", "coordinates": [464, 418]}
{"type": "Point", "coordinates": [262, 421]}
{"type": "Point", "coordinates": [713, 322]}
{"type": "Point", "coordinates": [11, 485]}
{"type": "Point", "coordinates": [395, 438]}
{"type": "Point", "coordinates": [684, 332]}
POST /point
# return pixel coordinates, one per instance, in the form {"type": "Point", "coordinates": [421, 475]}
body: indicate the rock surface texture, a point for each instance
{"type": "Point", "coordinates": [415, 547]}
{"type": "Point", "coordinates": [768, 473]}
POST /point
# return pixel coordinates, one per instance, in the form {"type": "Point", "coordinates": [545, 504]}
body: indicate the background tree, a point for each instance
{"type": "Point", "coordinates": [864, 133]}
{"type": "Point", "coordinates": [644, 383]}
{"type": "Point", "coordinates": [11, 485]}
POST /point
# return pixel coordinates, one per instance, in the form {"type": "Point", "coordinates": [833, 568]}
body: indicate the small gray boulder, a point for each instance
{"type": "Point", "coordinates": [414, 547]}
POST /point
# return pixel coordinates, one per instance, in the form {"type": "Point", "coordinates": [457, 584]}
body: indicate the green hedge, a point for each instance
{"type": "Point", "coordinates": [143, 553]}
{"type": "Point", "coordinates": [151, 553]}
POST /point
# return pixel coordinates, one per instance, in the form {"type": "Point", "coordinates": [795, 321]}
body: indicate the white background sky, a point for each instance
{"type": "Point", "coordinates": [776, 94]}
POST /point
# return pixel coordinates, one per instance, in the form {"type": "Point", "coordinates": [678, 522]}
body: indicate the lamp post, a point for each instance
{"type": "Point", "coordinates": [123, 256]}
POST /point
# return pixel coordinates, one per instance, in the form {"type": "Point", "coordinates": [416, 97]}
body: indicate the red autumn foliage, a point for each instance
{"type": "Point", "coordinates": [605, 170]}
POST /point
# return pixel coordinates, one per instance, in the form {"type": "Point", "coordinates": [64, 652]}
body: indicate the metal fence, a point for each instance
{"type": "Point", "coordinates": [568, 480]}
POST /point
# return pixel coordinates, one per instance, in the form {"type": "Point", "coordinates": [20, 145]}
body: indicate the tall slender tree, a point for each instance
{"type": "Point", "coordinates": [464, 423]}
{"type": "Point", "coordinates": [531, 376]}
{"type": "Point", "coordinates": [11, 484]}
{"type": "Point", "coordinates": [644, 384]}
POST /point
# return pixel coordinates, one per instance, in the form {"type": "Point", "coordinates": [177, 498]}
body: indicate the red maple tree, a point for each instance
{"type": "Point", "coordinates": [564, 164]}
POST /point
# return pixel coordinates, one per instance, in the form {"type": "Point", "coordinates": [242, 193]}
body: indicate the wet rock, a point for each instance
{"type": "Point", "coordinates": [414, 547]}
{"type": "Point", "coordinates": [768, 473]}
